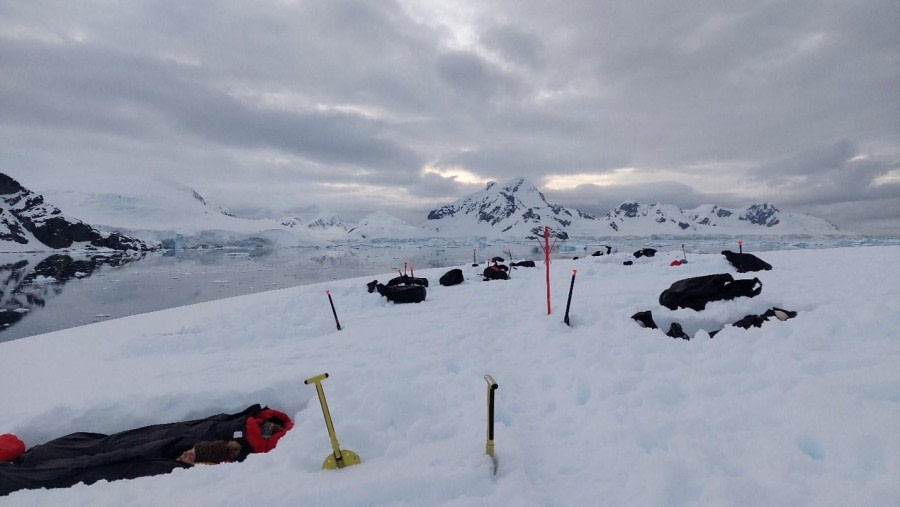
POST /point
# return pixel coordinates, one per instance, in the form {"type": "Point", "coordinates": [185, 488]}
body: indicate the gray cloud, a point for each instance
{"type": "Point", "coordinates": [255, 104]}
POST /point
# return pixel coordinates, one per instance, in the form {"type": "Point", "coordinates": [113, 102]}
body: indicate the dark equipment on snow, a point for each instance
{"type": "Point", "coordinates": [452, 277]}
{"type": "Point", "coordinates": [645, 252]}
{"type": "Point", "coordinates": [757, 320]}
{"type": "Point", "coordinates": [333, 311]}
{"type": "Point", "coordinates": [645, 319]}
{"type": "Point", "coordinates": [399, 293]}
{"type": "Point", "coordinates": [695, 292]}
{"type": "Point", "coordinates": [675, 331]}
{"type": "Point", "coordinates": [407, 280]}
{"type": "Point", "coordinates": [495, 272]}
{"type": "Point", "coordinates": [522, 264]}
{"type": "Point", "coordinates": [569, 300]}
{"type": "Point", "coordinates": [746, 262]}
{"type": "Point", "coordinates": [339, 458]}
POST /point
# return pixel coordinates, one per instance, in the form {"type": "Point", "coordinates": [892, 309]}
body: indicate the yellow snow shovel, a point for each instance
{"type": "Point", "coordinates": [339, 458]}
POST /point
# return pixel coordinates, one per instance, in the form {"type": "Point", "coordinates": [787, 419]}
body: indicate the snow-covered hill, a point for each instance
{"type": "Point", "coordinates": [382, 225]}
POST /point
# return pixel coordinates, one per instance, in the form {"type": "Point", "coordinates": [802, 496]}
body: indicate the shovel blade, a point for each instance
{"type": "Point", "coordinates": [348, 458]}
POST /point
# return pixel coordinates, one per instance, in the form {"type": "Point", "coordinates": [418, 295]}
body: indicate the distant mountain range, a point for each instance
{"type": "Point", "coordinates": [520, 209]}
{"type": "Point", "coordinates": [177, 215]}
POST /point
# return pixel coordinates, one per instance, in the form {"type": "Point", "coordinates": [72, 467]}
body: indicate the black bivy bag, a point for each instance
{"type": "Point", "coordinates": [695, 292]}
{"type": "Point", "coordinates": [407, 280]}
{"type": "Point", "coordinates": [452, 277]}
{"type": "Point", "coordinates": [746, 262]}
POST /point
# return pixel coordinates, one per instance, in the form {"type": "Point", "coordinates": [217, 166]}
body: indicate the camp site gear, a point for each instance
{"type": "Point", "coordinates": [339, 458]}
{"type": "Point", "coordinates": [495, 272]}
{"type": "Point", "coordinates": [645, 319]}
{"type": "Point", "coordinates": [407, 280]}
{"type": "Point", "coordinates": [522, 264]}
{"type": "Point", "coordinates": [399, 293]}
{"type": "Point", "coordinates": [675, 331]}
{"type": "Point", "coordinates": [695, 292]}
{"type": "Point", "coordinates": [757, 320]}
{"type": "Point", "coordinates": [746, 262]}
{"type": "Point", "coordinates": [452, 277]}
{"type": "Point", "coordinates": [645, 252]}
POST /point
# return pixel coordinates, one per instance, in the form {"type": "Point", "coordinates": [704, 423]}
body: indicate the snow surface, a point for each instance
{"type": "Point", "coordinates": [800, 412]}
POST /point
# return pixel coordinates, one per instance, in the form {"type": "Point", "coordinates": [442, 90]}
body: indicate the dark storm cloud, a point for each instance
{"type": "Point", "coordinates": [797, 103]}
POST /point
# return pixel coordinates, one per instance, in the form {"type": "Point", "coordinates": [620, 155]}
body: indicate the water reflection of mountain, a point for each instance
{"type": "Point", "coordinates": [29, 283]}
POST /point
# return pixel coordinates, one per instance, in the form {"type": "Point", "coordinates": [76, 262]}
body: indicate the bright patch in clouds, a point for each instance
{"type": "Point", "coordinates": [567, 181]}
{"type": "Point", "coordinates": [889, 178]}
{"type": "Point", "coordinates": [457, 173]}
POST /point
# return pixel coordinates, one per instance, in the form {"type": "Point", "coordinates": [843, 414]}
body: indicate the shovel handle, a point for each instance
{"type": "Point", "coordinates": [335, 447]}
{"type": "Point", "coordinates": [491, 387]}
{"type": "Point", "coordinates": [316, 379]}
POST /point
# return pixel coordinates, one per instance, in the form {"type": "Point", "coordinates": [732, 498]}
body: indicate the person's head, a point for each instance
{"type": "Point", "coordinates": [270, 428]}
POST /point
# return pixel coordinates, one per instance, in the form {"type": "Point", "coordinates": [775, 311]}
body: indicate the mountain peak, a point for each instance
{"type": "Point", "coordinates": [517, 208]}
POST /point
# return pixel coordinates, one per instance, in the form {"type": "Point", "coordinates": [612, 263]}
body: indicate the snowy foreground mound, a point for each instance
{"type": "Point", "coordinates": [800, 412]}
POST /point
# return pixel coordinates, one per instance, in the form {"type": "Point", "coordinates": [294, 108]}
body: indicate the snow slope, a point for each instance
{"type": "Point", "coordinates": [801, 412]}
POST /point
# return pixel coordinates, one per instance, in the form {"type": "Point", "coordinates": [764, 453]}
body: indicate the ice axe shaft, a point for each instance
{"type": "Point", "coordinates": [333, 311]}
{"type": "Point", "coordinates": [569, 300]}
{"type": "Point", "coordinates": [489, 446]}
{"type": "Point", "coordinates": [339, 458]}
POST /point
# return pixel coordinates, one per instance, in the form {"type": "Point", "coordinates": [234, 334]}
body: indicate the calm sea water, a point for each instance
{"type": "Point", "coordinates": [46, 292]}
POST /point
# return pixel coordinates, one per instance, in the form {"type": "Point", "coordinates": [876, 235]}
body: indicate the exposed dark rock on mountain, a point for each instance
{"type": "Point", "coordinates": [26, 219]}
{"type": "Point", "coordinates": [515, 208]}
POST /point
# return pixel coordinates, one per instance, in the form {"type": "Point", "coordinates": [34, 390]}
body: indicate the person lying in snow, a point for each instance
{"type": "Point", "coordinates": [140, 452]}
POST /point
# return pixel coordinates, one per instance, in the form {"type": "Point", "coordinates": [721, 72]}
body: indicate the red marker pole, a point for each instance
{"type": "Point", "coordinates": [333, 311]}
{"type": "Point", "coordinates": [740, 246]}
{"type": "Point", "coordinates": [569, 301]}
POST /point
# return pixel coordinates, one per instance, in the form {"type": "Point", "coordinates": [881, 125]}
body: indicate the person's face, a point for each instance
{"type": "Point", "coordinates": [187, 457]}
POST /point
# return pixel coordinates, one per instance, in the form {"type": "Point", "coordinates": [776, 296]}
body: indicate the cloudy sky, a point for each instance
{"type": "Point", "coordinates": [293, 107]}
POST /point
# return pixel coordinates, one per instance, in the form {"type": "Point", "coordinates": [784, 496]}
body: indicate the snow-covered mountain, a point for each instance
{"type": "Point", "coordinates": [635, 219]}
{"type": "Point", "coordinates": [382, 225]}
{"type": "Point", "coordinates": [517, 209]}
{"type": "Point", "coordinates": [331, 226]}
{"type": "Point", "coordinates": [28, 223]}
